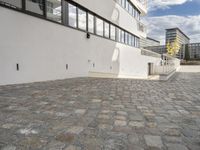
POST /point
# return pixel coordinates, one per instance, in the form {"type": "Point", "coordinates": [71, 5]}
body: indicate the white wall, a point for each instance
{"type": "Point", "coordinates": [43, 49]}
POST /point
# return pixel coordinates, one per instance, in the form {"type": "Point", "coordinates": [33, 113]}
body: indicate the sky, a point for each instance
{"type": "Point", "coordinates": [163, 14]}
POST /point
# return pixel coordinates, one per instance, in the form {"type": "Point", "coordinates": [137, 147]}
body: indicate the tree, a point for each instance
{"type": "Point", "coordinates": [187, 53]}
{"type": "Point", "coordinates": [173, 47]}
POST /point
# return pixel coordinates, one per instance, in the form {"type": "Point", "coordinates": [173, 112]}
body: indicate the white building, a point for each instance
{"type": "Point", "coordinates": [56, 39]}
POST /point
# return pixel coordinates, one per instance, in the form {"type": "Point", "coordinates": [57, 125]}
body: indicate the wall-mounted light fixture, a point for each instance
{"type": "Point", "coordinates": [88, 35]}
{"type": "Point", "coordinates": [67, 66]}
{"type": "Point", "coordinates": [17, 67]}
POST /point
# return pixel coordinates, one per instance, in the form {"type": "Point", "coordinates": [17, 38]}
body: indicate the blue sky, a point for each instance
{"type": "Point", "coordinates": [163, 14]}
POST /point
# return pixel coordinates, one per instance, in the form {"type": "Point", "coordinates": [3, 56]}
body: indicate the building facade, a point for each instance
{"type": "Point", "coordinates": [176, 34]}
{"type": "Point", "coordinates": [56, 39]}
{"type": "Point", "coordinates": [194, 51]}
{"type": "Point", "coordinates": [147, 42]}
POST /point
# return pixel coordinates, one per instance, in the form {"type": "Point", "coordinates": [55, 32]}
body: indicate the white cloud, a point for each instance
{"type": "Point", "coordinates": [164, 4]}
{"type": "Point", "coordinates": [190, 25]}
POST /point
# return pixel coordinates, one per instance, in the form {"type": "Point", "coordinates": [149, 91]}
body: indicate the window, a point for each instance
{"type": "Point", "coordinates": [72, 15]}
{"type": "Point", "coordinates": [118, 31]}
{"type": "Point", "coordinates": [130, 8]}
{"type": "Point", "coordinates": [54, 10]}
{"type": "Point", "coordinates": [126, 38]}
{"type": "Point", "coordinates": [99, 26]}
{"type": "Point", "coordinates": [12, 3]}
{"type": "Point", "coordinates": [127, 3]}
{"type": "Point", "coordinates": [123, 3]}
{"type": "Point", "coordinates": [106, 29]}
{"type": "Point", "coordinates": [133, 41]}
{"type": "Point", "coordinates": [130, 39]}
{"type": "Point", "coordinates": [90, 23]}
{"type": "Point", "coordinates": [35, 6]}
{"type": "Point", "coordinates": [112, 32]}
{"type": "Point", "coordinates": [81, 19]}
{"type": "Point", "coordinates": [122, 36]}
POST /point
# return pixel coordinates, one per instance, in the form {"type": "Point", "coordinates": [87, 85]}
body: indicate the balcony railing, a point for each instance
{"type": "Point", "coordinates": [141, 27]}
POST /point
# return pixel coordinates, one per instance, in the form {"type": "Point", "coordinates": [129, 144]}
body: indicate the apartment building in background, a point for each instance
{"type": "Point", "coordinates": [146, 42]}
{"type": "Point", "coordinates": [194, 51]}
{"type": "Point", "coordinates": [56, 39]}
{"type": "Point", "coordinates": [173, 34]}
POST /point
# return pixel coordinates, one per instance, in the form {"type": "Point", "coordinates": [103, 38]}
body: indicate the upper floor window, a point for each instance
{"type": "Point", "coordinates": [112, 32]}
{"type": "Point", "coordinates": [54, 10]}
{"type": "Point", "coordinates": [82, 19]}
{"type": "Point", "coordinates": [12, 3]}
{"type": "Point", "coordinates": [72, 15]}
{"type": "Point", "coordinates": [99, 26]}
{"type": "Point", "coordinates": [35, 6]}
{"type": "Point", "coordinates": [90, 23]}
{"type": "Point", "coordinates": [106, 29]}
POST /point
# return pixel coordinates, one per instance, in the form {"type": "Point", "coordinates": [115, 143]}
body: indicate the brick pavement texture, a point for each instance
{"type": "Point", "coordinates": [102, 114]}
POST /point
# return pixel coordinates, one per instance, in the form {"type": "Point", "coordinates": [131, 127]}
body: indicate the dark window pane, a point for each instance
{"type": "Point", "coordinates": [81, 19]}
{"type": "Point", "coordinates": [112, 32]}
{"type": "Point", "coordinates": [12, 3]}
{"type": "Point", "coordinates": [72, 21]}
{"type": "Point", "coordinates": [99, 26]}
{"type": "Point", "coordinates": [106, 29]}
{"type": "Point", "coordinates": [54, 10]}
{"type": "Point", "coordinates": [90, 23]}
{"type": "Point", "coordinates": [35, 6]}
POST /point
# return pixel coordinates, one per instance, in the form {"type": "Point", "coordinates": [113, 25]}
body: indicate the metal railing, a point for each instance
{"type": "Point", "coordinates": [150, 53]}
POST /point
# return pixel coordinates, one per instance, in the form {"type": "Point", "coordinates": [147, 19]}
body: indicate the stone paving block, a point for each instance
{"type": "Point", "coordinates": [136, 124]}
{"type": "Point", "coordinates": [120, 123]}
{"type": "Point", "coordinates": [75, 130]}
{"type": "Point", "coordinates": [176, 147]}
{"type": "Point", "coordinates": [72, 147]}
{"type": "Point", "coordinates": [153, 141]}
{"type": "Point", "coordinates": [9, 148]}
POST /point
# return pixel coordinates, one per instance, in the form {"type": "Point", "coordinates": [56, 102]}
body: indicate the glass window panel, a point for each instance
{"type": "Point", "coordinates": [35, 6]}
{"type": "Point", "coordinates": [123, 3]}
{"type": "Point", "coordinates": [112, 32]}
{"type": "Point", "coordinates": [12, 3]}
{"type": "Point", "coordinates": [106, 29]}
{"type": "Point", "coordinates": [72, 18]}
{"type": "Point", "coordinates": [126, 38]}
{"type": "Point", "coordinates": [130, 39]}
{"type": "Point", "coordinates": [90, 23]}
{"type": "Point", "coordinates": [122, 36]}
{"type": "Point", "coordinates": [81, 19]}
{"type": "Point", "coordinates": [130, 8]}
{"type": "Point", "coordinates": [99, 26]}
{"type": "Point", "coordinates": [118, 35]}
{"type": "Point", "coordinates": [54, 10]}
{"type": "Point", "coordinates": [127, 3]}
{"type": "Point", "coordinates": [133, 41]}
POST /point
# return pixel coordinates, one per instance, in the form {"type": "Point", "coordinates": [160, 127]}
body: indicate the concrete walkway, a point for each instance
{"type": "Point", "coordinates": [102, 114]}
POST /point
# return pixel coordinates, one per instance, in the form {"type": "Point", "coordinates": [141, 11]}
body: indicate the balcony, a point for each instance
{"type": "Point", "coordinates": [141, 5]}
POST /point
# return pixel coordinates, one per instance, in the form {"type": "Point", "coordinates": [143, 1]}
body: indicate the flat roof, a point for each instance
{"type": "Point", "coordinates": [179, 30]}
{"type": "Point", "coordinates": [153, 39]}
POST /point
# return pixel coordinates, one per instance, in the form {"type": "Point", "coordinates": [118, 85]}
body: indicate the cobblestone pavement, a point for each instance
{"type": "Point", "coordinates": [102, 114]}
